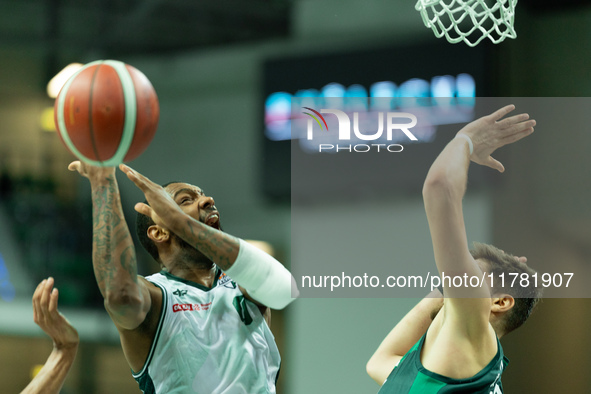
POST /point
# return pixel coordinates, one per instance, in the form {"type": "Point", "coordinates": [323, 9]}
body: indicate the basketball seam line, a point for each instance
{"type": "Point", "coordinates": [90, 125]}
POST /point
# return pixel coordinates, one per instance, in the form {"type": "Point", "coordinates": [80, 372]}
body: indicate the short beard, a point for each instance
{"type": "Point", "coordinates": [189, 255]}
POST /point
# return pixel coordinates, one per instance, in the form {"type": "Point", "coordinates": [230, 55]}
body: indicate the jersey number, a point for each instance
{"type": "Point", "coordinates": [240, 305]}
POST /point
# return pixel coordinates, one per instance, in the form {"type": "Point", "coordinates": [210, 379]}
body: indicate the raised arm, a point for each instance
{"type": "Point", "coordinates": [51, 377]}
{"type": "Point", "coordinates": [403, 336]}
{"type": "Point", "coordinates": [127, 299]}
{"type": "Point", "coordinates": [265, 279]}
{"type": "Point", "coordinates": [443, 191]}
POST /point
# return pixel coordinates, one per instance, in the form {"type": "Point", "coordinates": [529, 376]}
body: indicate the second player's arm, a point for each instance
{"type": "Point", "coordinates": [403, 336]}
{"type": "Point", "coordinates": [443, 191]}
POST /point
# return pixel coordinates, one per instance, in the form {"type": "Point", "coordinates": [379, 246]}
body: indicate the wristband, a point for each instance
{"type": "Point", "coordinates": [264, 278]}
{"type": "Point", "coordinates": [461, 135]}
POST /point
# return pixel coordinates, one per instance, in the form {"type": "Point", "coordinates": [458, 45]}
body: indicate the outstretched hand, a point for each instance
{"type": "Point", "coordinates": [89, 171]}
{"type": "Point", "coordinates": [161, 203]}
{"type": "Point", "coordinates": [46, 315]}
{"type": "Point", "coordinates": [492, 132]}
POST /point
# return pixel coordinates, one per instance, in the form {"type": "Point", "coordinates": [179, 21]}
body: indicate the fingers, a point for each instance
{"type": "Point", "coordinates": [140, 181]}
{"type": "Point", "coordinates": [36, 300]}
{"type": "Point", "coordinates": [516, 136]}
{"type": "Point", "coordinates": [74, 166]}
{"type": "Point", "coordinates": [508, 122]}
{"type": "Point", "coordinates": [53, 297]}
{"type": "Point", "coordinates": [521, 259]}
{"type": "Point", "coordinates": [126, 170]}
{"type": "Point", "coordinates": [44, 302]}
{"type": "Point", "coordinates": [502, 112]}
{"type": "Point", "coordinates": [144, 209]}
{"type": "Point", "coordinates": [518, 127]}
{"type": "Point", "coordinates": [495, 164]}
{"type": "Point", "coordinates": [45, 294]}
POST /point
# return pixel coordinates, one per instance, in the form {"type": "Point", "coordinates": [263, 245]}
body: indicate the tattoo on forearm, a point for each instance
{"type": "Point", "coordinates": [113, 253]}
{"type": "Point", "coordinates": [215, 245]}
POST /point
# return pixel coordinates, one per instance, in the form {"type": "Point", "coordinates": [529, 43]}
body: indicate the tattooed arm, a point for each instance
{"type": "Point", "coordinates": [127, 299]}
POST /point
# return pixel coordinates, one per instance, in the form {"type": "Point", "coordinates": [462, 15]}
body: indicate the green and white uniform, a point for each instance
{"type": "Point", "coordinates": [209, 341]}
{"type": "Point", "coordinates": [410, 377]}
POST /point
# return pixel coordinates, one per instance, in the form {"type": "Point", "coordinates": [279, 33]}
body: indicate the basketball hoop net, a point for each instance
{"type": "Point", "coordinates": [469, 20]}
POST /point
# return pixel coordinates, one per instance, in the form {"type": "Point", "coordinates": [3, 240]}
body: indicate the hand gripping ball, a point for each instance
{"type": "Point", "coordinates": [107, 113]}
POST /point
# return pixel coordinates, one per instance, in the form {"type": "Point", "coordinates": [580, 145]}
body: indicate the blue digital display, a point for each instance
{"type": "Point", "coordinates": [6, 287]}
{"type": "Point", "coordinates": [435, 82]}
{"type": "Point", "coordinates": [388, 95]}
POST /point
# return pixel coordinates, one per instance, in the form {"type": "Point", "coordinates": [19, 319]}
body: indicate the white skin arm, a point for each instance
{"type": "Point", "coordinates": [467, 310]}
{"type": "Point", "coordinates": [51, 377]}
{"type": "Point", "coordinates": [403, 336]}
{"type": "Point", "coordinates": [443, 192]}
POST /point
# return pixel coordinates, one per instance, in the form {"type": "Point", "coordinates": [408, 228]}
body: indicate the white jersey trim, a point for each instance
{"type": "Point", "coordinates": [158, 329]}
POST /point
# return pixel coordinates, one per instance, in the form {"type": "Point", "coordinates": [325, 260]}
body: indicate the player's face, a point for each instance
{"type": "Point", "coordinates": [195, 203]}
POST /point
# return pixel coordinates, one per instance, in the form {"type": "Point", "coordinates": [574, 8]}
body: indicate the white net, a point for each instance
{"type": "Point", "coordinates": [469, 20]}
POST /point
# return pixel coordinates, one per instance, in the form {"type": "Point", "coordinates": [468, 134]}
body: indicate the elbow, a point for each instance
{"type": "Point", "coordinates": [369, 368]}
{"type": "Point", "coordinates": [436, 185]}
{"type": "Point", "coordinates": [372, 369]}
{"type": "Point", "coordinates": [128, 307]}
{"type": "Point", "coordinates": [435, 182]}
{"type": "Point", "coordinates": [123, 298]}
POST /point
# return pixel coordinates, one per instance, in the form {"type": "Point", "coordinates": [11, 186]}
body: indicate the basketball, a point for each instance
{"type": "Point", "coordinates": [107, 113]}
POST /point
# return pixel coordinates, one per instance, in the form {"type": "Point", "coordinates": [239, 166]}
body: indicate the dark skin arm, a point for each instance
{"type": "Point", "coordinates": [126, 298]}
{"type": "Point", "coordinates": [132, 302]}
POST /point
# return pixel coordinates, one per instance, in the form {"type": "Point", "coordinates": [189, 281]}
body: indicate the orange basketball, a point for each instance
{"type": "Point", "coordinates": [107, 113]}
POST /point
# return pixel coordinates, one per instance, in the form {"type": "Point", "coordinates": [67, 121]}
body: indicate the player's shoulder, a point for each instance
{"type": "Point", "coordinates": [454, 355]}
{"type": "Point", "coordinates": [154, 278]}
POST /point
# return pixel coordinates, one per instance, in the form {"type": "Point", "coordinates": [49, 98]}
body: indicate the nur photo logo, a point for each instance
{"type": "Point", "coordinates": [390, 127]}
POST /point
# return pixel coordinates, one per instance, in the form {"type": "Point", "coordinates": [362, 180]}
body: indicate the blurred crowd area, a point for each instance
{"type": "Point", "coordinates": [53, 235]}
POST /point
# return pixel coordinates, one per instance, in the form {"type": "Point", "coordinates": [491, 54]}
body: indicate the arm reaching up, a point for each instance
{"type": "Point", "coordinates": [127, 299]}
{"type": "Point", "coordinates": [51, 377]}
{"type": "Point", "coordinates": [403, 336]}
{"type": "Point", "coordinates": [443, 191]}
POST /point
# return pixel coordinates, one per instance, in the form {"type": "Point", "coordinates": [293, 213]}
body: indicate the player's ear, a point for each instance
{"type": "Point", "coordinates": [502, 303]}
{"type": "Point", "coordinates": [158, 234]}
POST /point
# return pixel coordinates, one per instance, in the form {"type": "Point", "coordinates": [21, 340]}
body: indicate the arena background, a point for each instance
{"type": "Point", "coordinates": [206, 61]}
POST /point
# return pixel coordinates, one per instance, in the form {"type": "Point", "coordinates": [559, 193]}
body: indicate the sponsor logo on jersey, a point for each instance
{"type": "Point", "coordinates": [224, 280]}
{"type": "Point", "coordinates": [179, 292]}
{"type": "Point", "coordinates": [190, 307]}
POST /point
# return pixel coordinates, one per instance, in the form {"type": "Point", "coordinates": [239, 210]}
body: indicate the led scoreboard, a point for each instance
{"type": "Point", "coordinates": [370, 121]}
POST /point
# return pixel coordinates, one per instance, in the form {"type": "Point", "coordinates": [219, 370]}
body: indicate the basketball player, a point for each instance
{"type": "Point", "coordinates": [51, 377]}
{"type": "Point", "coordinates": [199, 325]}
{"type": "Point", "coordinates": [451, 344]}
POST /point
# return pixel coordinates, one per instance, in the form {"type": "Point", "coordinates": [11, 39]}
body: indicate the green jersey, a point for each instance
{"type": "Point", "coordinates": [411, 377]}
